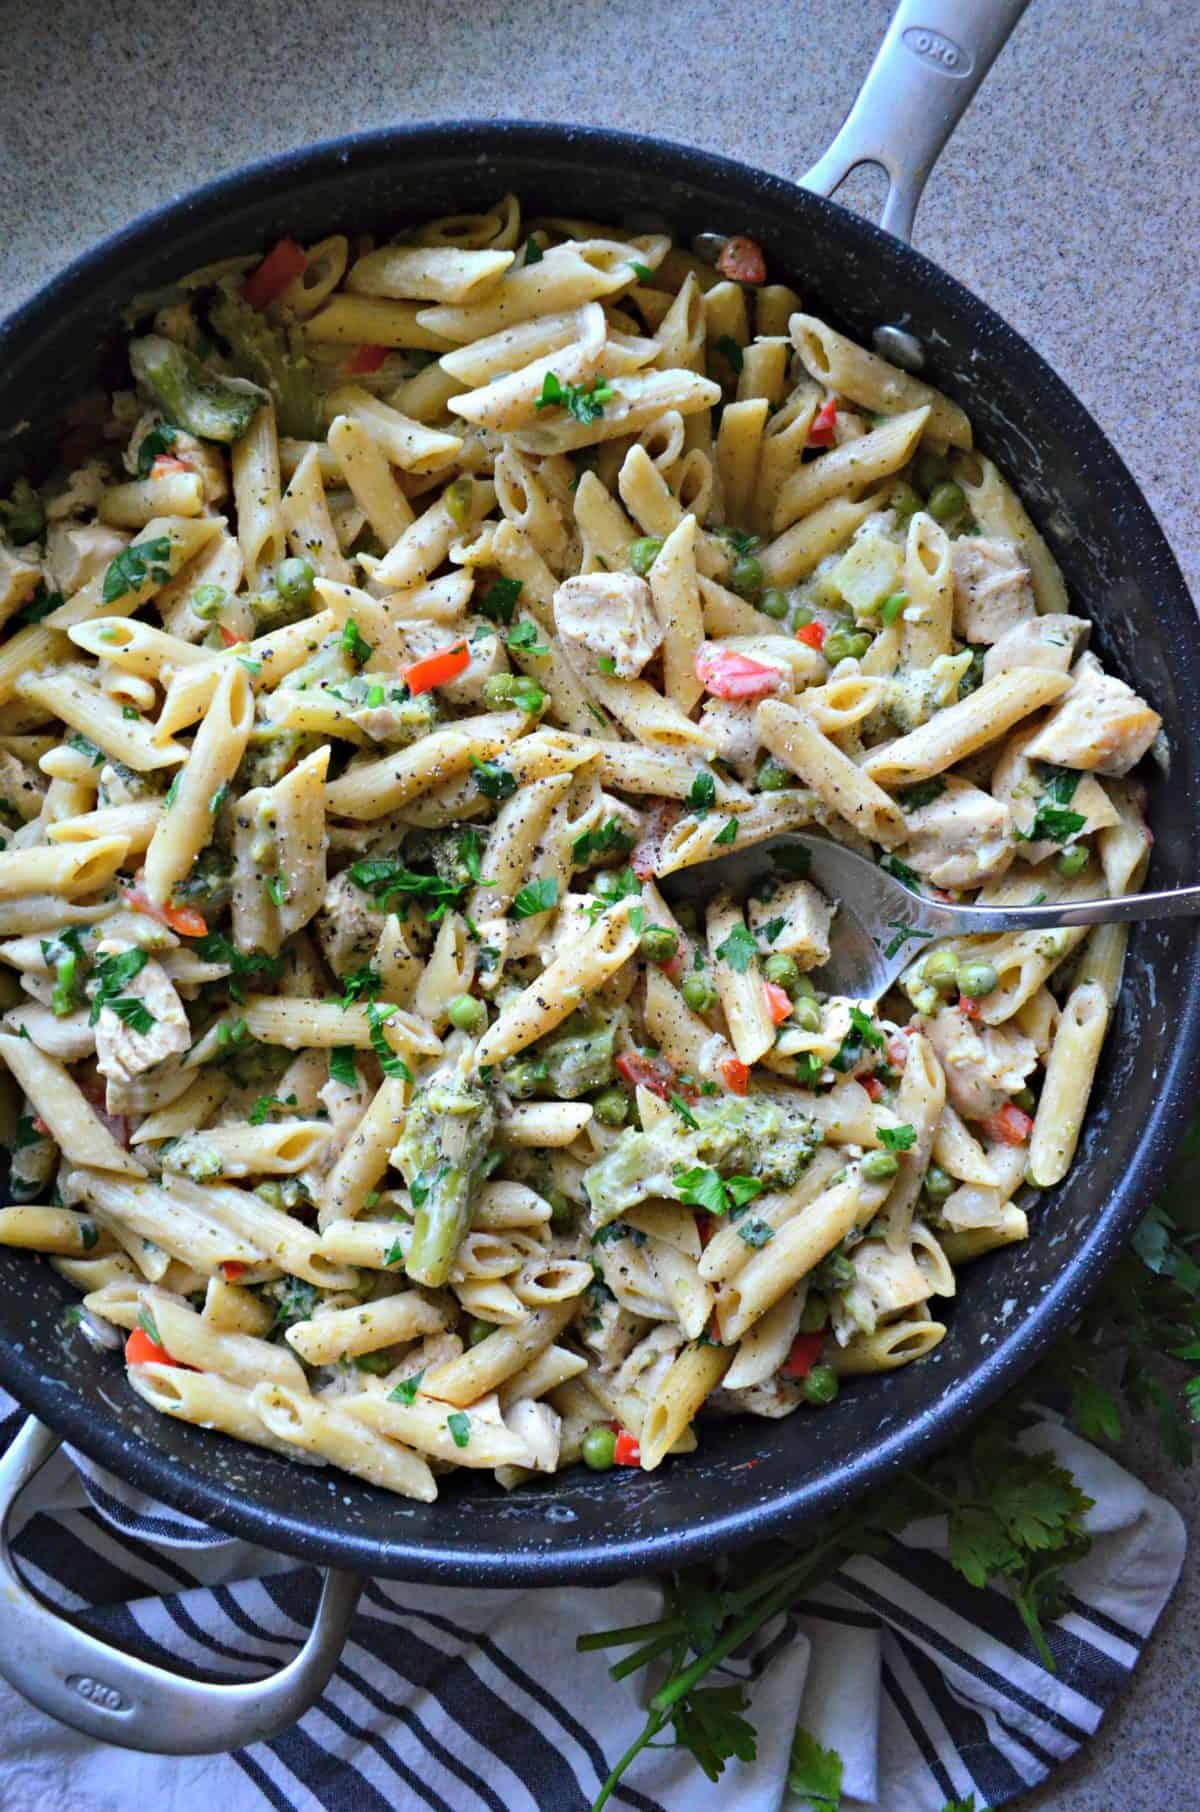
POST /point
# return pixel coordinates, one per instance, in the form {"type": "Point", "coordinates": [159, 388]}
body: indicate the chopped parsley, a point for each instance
{"type": "Point", "coordinates": [584, 401]}
{"type": "Point", "coordinates": [141, 563]}
{"type": "Point", "coordinates": [459, 1424]}
{"type": "Point", "coordinates": [113, 973]}
{"type": "Point", "coordinates": [218, 798]}
{"type": "Point", "coordinates": [535, 897]}
{"type": "Point", "coordinates": [395, 1256]}
{"type": "Point", "coordinates": [172, 792]}
{"type": "Point", "coordinates": [386, 878]}
{"type": "Point", "coordinates": [772, 928]}
{"type": "Point", "coordinates": [738, 949]}
{"type": "Point", "coordinates": [214, 947]}
{"type": "Point", "coordinates": [607, 664]}
{"type": "Point", "coordinates": [641, 271]}
{"type": "Point", "coordinates": [533, 251]}
{"type": "Point", "coordinates": [706, 1188]}
{"type": "Point", "coordinates": [912, 798]}
{"type": "Point", "coordinates": [493, 781]}
{"type": "Point", "coordinates": [39, 606]}
{"type": "Point", "coordinates": [756, 1233]}
{"type": "Point", "coordinates": [897, 1138]}
{"type": "Point", "coordinates": [275, 890]}
{"type": "Point", "coordinates": [342, 1067]}
{"type": "Point", "coordinates": [159, 439]}
{"type": "Point", "coordinates": [808, 1069]}
{"type": "Point", "coordinates": [524, 640]}
{"type": "Point", "coordinates": [499, 600]}
{"type": "Point", "coordinates": [260, 1113]}
{"type": "Point", "coordinates": [1053, 818]}
{"type": "Point", "coordinates": [684, 1111]}
{"type": "Point", "coordinates": [702, 793]}
{"type": "Point", "coordinates": [892, 865]}
{"type": "Point", "coordinates": [612, 839]}
{"type": "Point", "coordinates": [83, 745]}
{"type": "Point", "coordinates": [389, 1062]}
{"type": "Point", "coordinates": [353, 644]}
{"type": "Point", "coordinates": [406, 1391]}
{"type": "Point", "coordinates": [729, 833]}
{"type": "Point", "coordinates": [359, 983]}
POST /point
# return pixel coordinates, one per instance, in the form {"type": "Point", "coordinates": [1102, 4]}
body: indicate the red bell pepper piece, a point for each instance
{"type": "Point", "coordinates": [282, 264]}
{"type": "Point", "coordinates": [141, 1350]}
{"type": "Point", "coordinates": [812, 635]}
{"type": "Point", "coordinates": [627, 1451]}
{"type": "Point", "coordinates": [823, 428]}
{"type": "Point", "coordinates": [736, 1075]}
{"type": "Point", "coordinates": [183, 919]}
{"type": "Point", "coordinates": [437, 669]}
{"type": "Point", "coordinates": [1011, 1125]}
{"type": "Point", "coordinates": [727, 674]}
{"type": "Point", "coordinates": [654, 1073]}
{"type": "Point", "coordinates": [779, 1002]}
{"type": "Point", "coordinates": [806, 1350]}
{"type": "Point", "coordinates": [366, 358]}
{"type": "Point", "coordinates": [742, 260]}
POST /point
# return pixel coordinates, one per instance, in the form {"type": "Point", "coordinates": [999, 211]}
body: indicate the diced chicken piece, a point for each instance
{"type": "Point", "coordinates": [730, 723]}
{"type": "Point", "coordinates": [486, 652]}
{"type": "Point", "coordinates": [773, 1398]}
{"type": "Point", "coordinates": [348, 926]}
{"type": "Point", "coordinates": [916, 693]}
{"type": "Point", "coordinates": [153, 1089]}
{"type": "Point", "coordinates": [607, 617]}
{"type": "Point", "coordinates": [540, 1427]}
{"type": "Point", "coordinates": [992, 588]}
{"type": "Point", "coordinates": [807, 916]}
{"type": "Point", "coordinates": [961, 838]}
{"type": "Point", "coordinates": [83, 491]}
{"type": "Point", "coordinates": [1049, 641]}
{"type": "Point", "coordinates": [20, 576]}
{"type": "Point", "coordinates": [1023, 788]}
{"type": "Point", "coordinates": [21, 787]}
{"type": "Point", "coordinates": [123, 1053]}
{"type": "Point", "coordinates": [984, 1065]}
{"type": "Point", "coordinates": [847, 426]}
{"type": "Point", "coordinates": [1100, 724]}
{"type": "Point", "coordinates": [76, 552]}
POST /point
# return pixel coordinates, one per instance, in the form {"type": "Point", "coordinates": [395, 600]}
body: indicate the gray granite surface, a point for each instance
{"type": "Point", "coordinates": [1068, 199]}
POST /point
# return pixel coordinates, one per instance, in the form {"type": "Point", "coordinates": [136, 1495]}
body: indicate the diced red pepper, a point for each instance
{"type": "Point", "coordinates": [437, 669]}
{"type": "Point", "coordinates": [366, 358]}
{"type": "Point", "coordinates": [654, 1073]}
{"type": "Point", "coordinates": [674, 968]}
{"type": "Point", "coordinates": [896, 1051]}
{"type": "Point", "coordinates": [779, 1002]}
{"type": "Point", "coordinates": [627, 1451]}
{"type": "Point", "coordinates": [736, 1075]}
{"type": "Point", "coordinates": [1011, 1126]}
{"type": "Point", "coordinates": [969, 1006]}
{"type": "Point", "coordinates": [183, 919]}
{"type": "Point", "coordinates": [812, 635]}
{"type": "Point", "coordinates": [232, 1269]}
{"type": "Point", "coordinates": [166, 463]}
{"type": "Point", "coordinates": [727, 674]}
{"type": "Point", "coordinates": [141, 1350]}
{"type": "Point", "coordinates": [39, 1126]}
{"type": "Point", "coordinates": [823, 428]}
{"type": "Point", "coordinates": [874, 1087]}
{"type": "Point", "coordinates": [228, 636]}
{"type": "Point", "coordinates": [281, 266]}
{"type": "Point", "coordinates": [806, 1350]}
{"type": "Point", "coordinates": [648, 850]}
{"type": "Point", "coordinates": [742, 260]}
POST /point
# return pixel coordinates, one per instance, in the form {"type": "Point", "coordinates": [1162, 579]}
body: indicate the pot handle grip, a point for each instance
{"type": "Point", "coordinates": [925, 74]}
{"type": "Point", "coordinates": [117, 1698]}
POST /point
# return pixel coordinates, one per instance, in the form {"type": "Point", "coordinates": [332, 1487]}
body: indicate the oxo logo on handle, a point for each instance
{"type": "Point", "coordinates": [939, 51]}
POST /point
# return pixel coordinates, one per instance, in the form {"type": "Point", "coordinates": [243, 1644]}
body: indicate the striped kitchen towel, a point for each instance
{"type": "Point", "coordinates": [466, 1700]}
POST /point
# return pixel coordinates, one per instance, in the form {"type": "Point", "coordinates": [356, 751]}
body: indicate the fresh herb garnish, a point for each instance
{"type": "Point", "coordinates": [524, 639]}
{"type": "Point", "coordinates": [389, 1062]}
{"type": "Point", "coordinates": [912, 798]}
{"type": "Point", "coordinates": [83, 745]}
{"type": "Point", "coordinates": [612, 839]}
{"type": "Point", "coordinates": [459, 1424]}
{"type": "Point", "coordinates": [159, 439]}
{"type": "Point", "coordinates": [141, 563]}
{"type": "Point", "coordinates": [500, 600]}
{"type": "Point", "coordinates": [684, 1111]}
{"type": "Point", "coordinates": [729, 833]}
{"type": "Point", "coordinates": [342, 1067]}
{"type": "Point", "coordinates": [353, 644]}
{"type": "Point", "coordinates": [215, 947]}
{"type": "Point", "coordinates": [584, 401]}
{"type": "Point", "coordinates": [894, 866]}
{"type": "Point", "coordinates": [738, 949]}
{"type": "Point", "coordinates": [533, 251]}
{"type": "Point", "coordinates": [702, 793]}
{"type": "Point", "coordinates": [897, 1138]}
{"type": "Point", "coordinates": [493, 781]}
{"type": "Point", "coordinates": [112, 974]}
{"type": "Point", "coordinates": [535, 897]}
{"type": "Point", "coordinates": [406, 1391]}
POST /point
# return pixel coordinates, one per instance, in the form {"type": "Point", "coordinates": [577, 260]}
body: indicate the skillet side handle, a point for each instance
{"type": "Point", "coordinates": [116, 1698]}
{"type": "Point", "coordinates": [925, 74]}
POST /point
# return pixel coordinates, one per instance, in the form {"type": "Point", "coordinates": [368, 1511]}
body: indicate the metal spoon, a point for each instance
{"type": "Point", "coordinates": [880, 924]}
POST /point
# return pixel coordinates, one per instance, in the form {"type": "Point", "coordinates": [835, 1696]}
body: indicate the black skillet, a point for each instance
{"type": "Point", "coordinates": [748, 1478]}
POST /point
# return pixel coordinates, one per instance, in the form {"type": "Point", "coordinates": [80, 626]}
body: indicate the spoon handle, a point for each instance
{"type": "Point", "coordinates": [1174, 903]}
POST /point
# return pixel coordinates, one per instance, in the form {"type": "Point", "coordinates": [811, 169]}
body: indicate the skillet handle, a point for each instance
{"type": "Point", "coordinates": [925, 74]}
{"type": "Point", "coordinates": [118, 1699]}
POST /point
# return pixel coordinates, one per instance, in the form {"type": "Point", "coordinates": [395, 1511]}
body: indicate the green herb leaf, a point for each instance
{"type": "Point", "coordinates": [275, 890]}
{"type": "Point", "coordinates": [389, 1062]}
{"type": "Point", "coordinates": [159, 439]}
{"type": "Point", "coordinates": [607, 664]}
{"type": "Point", "coordinates": [709, 1724]}
{"type": "Point", "coordinates": [894, 866]}
{"type": "Point", "coordinates": [738, 949]}
{"type": "Point", "coordinates": [612, 839]}
{"type": "Point", "coordinates": [493, 781]}
{"type": "Point", "coordinates": [459, 1425]}
{"type": "Point", "coordinates": [729, 834]}
{"type": "Point", "coordinates": [406, 1391]}
{"type": "Point", "coordinates": [815, 1774]}
{"type": "Point", "coordinates": [353, 644]}
{"type": "Point", "coordinates": [500, 600]}
{"type": "Point", "coordinates": [684, 1111]}
{"type": "Point", "coordinates": [642, 271]}
{"type": "Point", "coordinates": [534, 898]}
{"type": "Point", "coordinates": [524, 639]}
{"type": "Point", "coordinates": [865, 1026]}
{"type": "Point", "coordinates": [533, 251]}
{"type": "Point", "coordinates": [897, 1138]}
{"type": "Point", "coordinates": [360, 984]}
{"type": "Point", "coordinates": [112, 974]}
{"type": "Point", "coordinates": [912, 798]}
{"type": "Point", "coordinates": [83, 745]}
{"type": "Point", "coordinates": [141, 563]}
{"type": "Point", "coordinates": [39, 606]}
{"type": "Point", "coordinates": [395, 1256]}
{"type": "Point", "coordinates": [702, 793]}
{"type": "Point", "coordinates": [772, 928]}
{"type": "Point", "coordinates": [342, 1067]}
{"type": "Point", "coordinates": [584, 401]}
{"type": "Point", "coordinates": [702, 1187]}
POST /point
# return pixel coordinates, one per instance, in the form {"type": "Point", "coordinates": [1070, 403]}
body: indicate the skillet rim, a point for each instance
{"type": "Point", "coordinates": [107, 1442]}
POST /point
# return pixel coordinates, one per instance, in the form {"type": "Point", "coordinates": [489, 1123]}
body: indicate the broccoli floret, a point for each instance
{"type": "Point", "coordinates": [273, 357]}
{"type": "Point", "coordinates": [191, 396]}
{"type": "Point", "coordinates": [209, 882]}
{"type": "Point", "coordinates": [447, 1135]}
{"type": "Point", "coordinates": [440, 850]}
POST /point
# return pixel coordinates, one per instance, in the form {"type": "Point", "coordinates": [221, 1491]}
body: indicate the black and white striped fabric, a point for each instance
{"type": "Point", "coordinates": [476, 1701]}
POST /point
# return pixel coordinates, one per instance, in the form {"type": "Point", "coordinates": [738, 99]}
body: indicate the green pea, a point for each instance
{"type": "Point", "coordinates": [1024, 1099]}
{"type": "Point", "coordinates": [294, 579]}
{"type": "Point", "coordinates": [598, 1448]}
{"type": "Point", "coordinates": [699, 994]}
{"type": "Point", "coordinates": [938, 1186]}
{"type": "Point", "coordinates": [820, 1386]}
{"type": "Point", "coordinates": [804, 986]}
{"type": "Point", "coordinates": [522, 1078]}
{"type": "Point", "coordinates": [892, 606]}
{"type": "Point", "coordinates": [877, 1166]}
{"type": "Point", "coordinates": [658, 944]}
{"type": "Point", "coordinates": [905, 500]}
{"type": "Point", "coordinates": [747, 576]}
{"type": "Point", "coordinates": [611, 1107]}
{"type": "Point", "coordinates": [802, 618]}
{"type": "Point", "coordinates": [24, 514]}
{"type": "Point", "coordinates": [772, 777]}
{"type": "Point", "coordinates": [1073, 861]}
{"type": "Point", "coordinates": [207, 601]}
{"type": "Point", "coordinates": [498, 690]}
{"type": "Point", "coordinates": [774, 603]}
{"type": "Point", "coordinates": [815, 1313]}
{"type": "Point", "coordinates": [947, 502]}
{"type": "Point", "coordinates": [466, 1014]}
{"type": "Point", "coordinates": [457, 499]}
{"type": "Point", "coordinates": [845, 644]}
{"type": "Point", "coordinates": [479, 1330]}
{"type": "Point", "coordinates": [929, 470]}
{"type": "Point", "coordinates": [378, 1363]}
{"type": "Point", "coordinates": [643, 553]}
{"type": "Point", "coordinates": [940, 970]}
{"type": "Point", "coordinates": [783, 970]}
{"type": "Point", "coordinates": [977, 979]}
{"type": "Point", "coordinates": [807, 1014]}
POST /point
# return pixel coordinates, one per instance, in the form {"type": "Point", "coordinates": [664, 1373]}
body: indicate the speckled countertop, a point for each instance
{"type": "Point", "coordinates": [1068, 199]}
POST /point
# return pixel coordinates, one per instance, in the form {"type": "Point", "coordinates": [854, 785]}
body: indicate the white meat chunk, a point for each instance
{"type": "Point", "coordinates": [807, 916]}
{"type": "Point", "coordinates": [1023, 788]}
{"type": "Point", "coordinates": [1049, 642]}
{"type": "Point", "coordinates": [20, 576]}
{"type": "Point", "coordinates": [76, 552]}
{"type": "Point", "coordinates": [730, 723]}
{"type": "Point", "coordinates": [961, 837]}
{"type": "Point", "coordinates": [348, 927]}
{"type": "Point", "coordinates": [21, 787]}
{"type": "Point", "coordinates": [607, 617]}
{"type": "Point", "coordinates": [984, 1065]}
{"type": "Point", "coordinates": [992, 588]}
{"type": "Point", "coordinates": [1099, 724]}
{"type": "Point", "coordinates": [123, 1052]}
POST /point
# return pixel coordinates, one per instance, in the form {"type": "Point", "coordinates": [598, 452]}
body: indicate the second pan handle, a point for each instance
{"type": "Point", "coordinates": [933, 58]}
